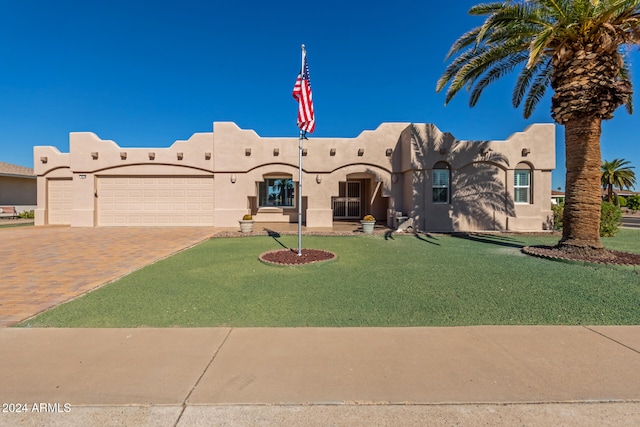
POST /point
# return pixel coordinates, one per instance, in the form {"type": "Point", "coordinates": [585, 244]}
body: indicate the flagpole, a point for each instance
{"type": "Point", "coordinates": [300, 175]}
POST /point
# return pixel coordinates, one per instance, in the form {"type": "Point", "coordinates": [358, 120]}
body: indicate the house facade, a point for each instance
{"type": "Point", "coordinates": [17, 187]}
{"type": "Point", "coordinates": [213, 179]}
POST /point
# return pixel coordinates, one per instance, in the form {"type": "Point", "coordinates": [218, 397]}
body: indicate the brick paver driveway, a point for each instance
{"type": "Point", "coordinates": [41, 267]}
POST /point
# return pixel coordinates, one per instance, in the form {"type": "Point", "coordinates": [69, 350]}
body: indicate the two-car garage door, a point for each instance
{"type": "Point", "coordinates": [155, 201]}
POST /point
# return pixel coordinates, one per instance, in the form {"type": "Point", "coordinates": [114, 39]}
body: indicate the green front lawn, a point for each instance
{"type": "Point", "coordinates": [12, 224]}
{"type": "Point", "coordinates": [404, 281]}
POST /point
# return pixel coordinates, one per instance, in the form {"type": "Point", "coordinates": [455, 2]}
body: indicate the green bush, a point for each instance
{"type": "Point", "coordinates": [633, 202]}
{"type": "Point", "coordinates": [622, 201]}
{"type": "Point", "coordinates": [558, 211]}
{"type": "Point", "coordinates": [26, 214]}
{"type": "Point", "coordinates": [609, 219]}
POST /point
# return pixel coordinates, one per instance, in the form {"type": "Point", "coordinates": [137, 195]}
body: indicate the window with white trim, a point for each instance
{"type": "Point", "coordinates": [522, 186]}
{"type": "Point", "coordinates": [276, 192]}
{"type": "Point", "coordinates": [440, 183]}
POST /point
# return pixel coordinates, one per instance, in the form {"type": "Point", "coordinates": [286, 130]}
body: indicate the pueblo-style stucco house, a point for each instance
{"type": "Point", "coordinates": [213, 179]}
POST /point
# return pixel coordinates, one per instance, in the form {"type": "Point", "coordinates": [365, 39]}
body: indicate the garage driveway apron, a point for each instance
{"type": "Point", "coordinates": [41, 267]}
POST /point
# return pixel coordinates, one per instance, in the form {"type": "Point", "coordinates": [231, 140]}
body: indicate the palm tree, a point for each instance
{"type": "Point", "coordinates": [616, 174]}
{"type": "Point", "coordinates": [575, 47]}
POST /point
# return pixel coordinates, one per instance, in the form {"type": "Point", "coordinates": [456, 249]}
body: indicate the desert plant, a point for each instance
{"type": "Point", "coordinates": [609, 219]}
{"type": "Point", "coordinates": [368, 218]}
{"type": "Point", "coordinates": [26, 214]}
{"type": "Point", "coordinates": [247, 217]}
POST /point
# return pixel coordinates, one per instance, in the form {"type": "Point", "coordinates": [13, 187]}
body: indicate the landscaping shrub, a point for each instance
{"type": "Point", "coordinates": [609, 219]}
{"type": "Point", "coordinates": [633, 202]}
{"type": "Point", "coordinates": [558, 211]}
{"type": "Point", "coordinates": [26, 214]}
{"type": "Point", "coordinates": [622, 201]}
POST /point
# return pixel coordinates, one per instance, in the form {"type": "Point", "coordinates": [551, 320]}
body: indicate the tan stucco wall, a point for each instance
{"type": "Point", "coordinates": [393, 162]}
{"type": "Point", "coordinates": [17, 191]}
{"type": "Point", "coordinates": [482, 176]}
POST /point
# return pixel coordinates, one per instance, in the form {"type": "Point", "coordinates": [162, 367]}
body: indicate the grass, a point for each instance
{"type": "Point", "coordinates": [404, 281]}
{"type": "Point", "coordinates": [15, 224]}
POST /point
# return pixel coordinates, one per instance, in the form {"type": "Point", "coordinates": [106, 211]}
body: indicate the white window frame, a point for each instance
{"type": "Point", "coordinates": [436, 183]}
{"type": "Point", "coordinates": [287, 192]}
{"type": "Point", "coordinates": [519, 186]}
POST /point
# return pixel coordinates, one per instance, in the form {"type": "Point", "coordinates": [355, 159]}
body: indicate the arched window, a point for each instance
{"type": "Point", "coordinates": [522, 184]}
{"type": "Point", "coordinates": [277, 191]}
{"type": "Point", "coordinates": [440, 182]}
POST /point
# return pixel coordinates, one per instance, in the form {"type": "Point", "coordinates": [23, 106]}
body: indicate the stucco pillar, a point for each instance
{"type": "Point", "coordinates": [84, 200]}
{"type": "Point", "coordinates": [317, 188]}
{"type": "Point", "coordinates": [40, 213]}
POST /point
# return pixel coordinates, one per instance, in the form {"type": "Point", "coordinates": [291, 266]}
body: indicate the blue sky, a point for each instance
{"type": "Point", "coordinates": [149, 73]}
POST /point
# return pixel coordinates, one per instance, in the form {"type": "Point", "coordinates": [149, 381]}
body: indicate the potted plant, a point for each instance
{"type": "Point", "coordinates": [368, 222]}
{"type": "Point", "coordinates": [246, 224]}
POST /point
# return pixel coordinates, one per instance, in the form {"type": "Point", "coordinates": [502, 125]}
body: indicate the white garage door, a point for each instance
{"type": "Point", "coordinates": [59, 201]}
{"type": "Point", "coordinates": [155, 201]}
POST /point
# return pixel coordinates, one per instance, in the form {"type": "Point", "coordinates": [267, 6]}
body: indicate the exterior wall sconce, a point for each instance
{"type": "Point", "coordinates": [525, 152]}
{"type": "Point", "coordinates": [318, 179]}
{"type": "Point", "coordinates": [276, 151]}
{"type": "Point", "coordinates": [44, 159]}
{"type": "Point", "coordinates": [94, 155]}
{"type": "Point", "coordinates": [485, 151]}
{"type": "Point", "coordinates": [304, 151]}
{"type": "Point", "coordinates": [152, 156]}
{"type": "Point", "coordinates": [247, 151]}
{"type": "Point", "coordinates": [123, 155]}
{"type": "Point", "coordinates": [394, 178]}
{"type": "Point", "coordinates": [360, 152]}
{"type": "Point", "coordinates": [388, 152]}
{"type": "Point", "coordinates": [332, 152]}
{"type": "Point", "coordinates": [180, 156]}
{"type": "Point", "coordinates": [207, 156]}
{"type": "Point", "coordinates": [233, 178]}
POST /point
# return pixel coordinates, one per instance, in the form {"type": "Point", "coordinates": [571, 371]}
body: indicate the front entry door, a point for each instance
{"type": "Point", "coordinates": [348, 203]}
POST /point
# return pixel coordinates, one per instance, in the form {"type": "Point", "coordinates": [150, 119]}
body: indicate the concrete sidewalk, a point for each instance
{"type": "Point", "coordinates": [537, 375]}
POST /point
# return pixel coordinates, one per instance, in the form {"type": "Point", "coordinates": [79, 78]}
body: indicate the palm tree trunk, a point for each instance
{"type": "Point", "coordinates": [581, 221]}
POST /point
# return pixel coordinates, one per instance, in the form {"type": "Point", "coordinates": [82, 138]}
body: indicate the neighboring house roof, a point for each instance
{"type": "Point", "coordinates": [7, 169]}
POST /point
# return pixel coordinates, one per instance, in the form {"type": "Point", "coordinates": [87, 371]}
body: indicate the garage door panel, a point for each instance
{"type": "Point", "coordinates": [153, 201]}
{"type": "Point", "coordinates": [60, 201]}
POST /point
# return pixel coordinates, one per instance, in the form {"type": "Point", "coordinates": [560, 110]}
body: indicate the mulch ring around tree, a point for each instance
{"type": "Point", "coordinates": [603, 256]}
{"type": "Point", "coordinates": [291, 257]}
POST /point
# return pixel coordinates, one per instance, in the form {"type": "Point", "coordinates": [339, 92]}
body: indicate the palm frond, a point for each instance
{"type": "Point", "coordinates": [463, 42]}
{"type": "Point", "coordinates": [525, 78]}
{"type": "Point", "coordinates": [531, 33]}
{"type": "Point", "coordinates": [476, 65]}
{"type": "Point", "coordinates": [539, 46]}
{"type": "Point", "coordinates": [537, 91]}
{"type": "Point", "coordinates": [496, 72]}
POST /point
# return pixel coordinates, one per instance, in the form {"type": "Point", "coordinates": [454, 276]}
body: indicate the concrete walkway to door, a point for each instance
{"type": "Point", "coordinates": [41, 267]}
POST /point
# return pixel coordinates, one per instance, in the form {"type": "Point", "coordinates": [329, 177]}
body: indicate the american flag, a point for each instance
{"type": "Point", "coordinates": [302, 94]}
